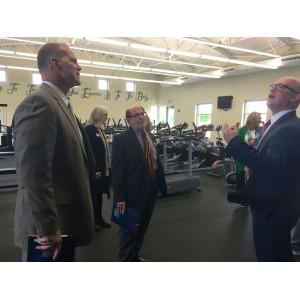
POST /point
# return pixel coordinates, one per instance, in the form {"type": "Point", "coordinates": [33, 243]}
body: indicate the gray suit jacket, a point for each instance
{"type": "Point", "coordinates": [52, 170]}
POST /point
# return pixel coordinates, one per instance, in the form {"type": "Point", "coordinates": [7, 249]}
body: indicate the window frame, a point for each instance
{"type": "Point", "coordinates": [107, 84]}
{"type": "Point", "coordinates": [245, 114]}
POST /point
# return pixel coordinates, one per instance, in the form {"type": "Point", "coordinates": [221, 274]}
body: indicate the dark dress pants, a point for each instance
{"type": "Point", "coordinates": [271, 233]}
{"type": "Point", "coordinates": [98, 208]}
{"type": "Point", "coordinates": [131, 242]}
{"type": "Point", "coordinates": [240, 181]}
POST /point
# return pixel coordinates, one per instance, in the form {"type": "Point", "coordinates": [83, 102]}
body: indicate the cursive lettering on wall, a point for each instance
{"type": "Point", "coordinates": [13, 87]}
{"type": "Point", "coordinates": [85, 93]}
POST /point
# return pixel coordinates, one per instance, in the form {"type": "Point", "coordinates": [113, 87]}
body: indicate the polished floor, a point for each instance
{"type": "Point", "coordinates": [199, 226]}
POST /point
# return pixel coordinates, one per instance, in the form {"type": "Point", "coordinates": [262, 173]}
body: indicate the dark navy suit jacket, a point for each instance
{"type": "Point", "coordinates": [275, 165]}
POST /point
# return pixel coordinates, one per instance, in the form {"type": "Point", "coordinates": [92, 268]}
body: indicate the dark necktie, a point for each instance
{"type": "Point", "coordinates": [264, 131]}
{"type": "Point", "coordinates": [148, 154]}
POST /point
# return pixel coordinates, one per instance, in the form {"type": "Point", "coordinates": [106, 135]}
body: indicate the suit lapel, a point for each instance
{"type": "Point", "coordinates": [67, 113]}
{"type": "Point", "coordinates": [273, 127]}
{"type": "Point", "coordinates": [135, 143]}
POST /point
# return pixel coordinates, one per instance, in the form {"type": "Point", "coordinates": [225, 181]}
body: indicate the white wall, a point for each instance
{"type": "Point", "coordinates": [184, 98]}
{"type": "Point", "coordinates": [243, 87]}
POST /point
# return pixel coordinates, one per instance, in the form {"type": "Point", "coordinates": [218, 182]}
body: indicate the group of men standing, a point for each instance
{"type": "Point", "coordinates": [56, 171]}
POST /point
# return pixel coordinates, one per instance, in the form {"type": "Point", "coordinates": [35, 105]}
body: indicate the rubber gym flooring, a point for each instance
{"type": "Point", "coordinates": [199, 226]}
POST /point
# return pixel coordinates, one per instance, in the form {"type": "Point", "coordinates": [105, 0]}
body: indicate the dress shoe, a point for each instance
{"type": "Point", "coordinates": [237, 197]}
{"type": "Point", "coordinates": [97, 228]}
{"type": "Point", "coordinates": [104, 224]}
{"type": "Point", "coordinates": [296, 252]}
{"type": "Point", "coordinates": [142, 259]}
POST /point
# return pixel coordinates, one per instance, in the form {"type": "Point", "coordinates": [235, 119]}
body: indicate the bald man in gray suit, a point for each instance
{"type": "Point", "coordinates": [55, 167]}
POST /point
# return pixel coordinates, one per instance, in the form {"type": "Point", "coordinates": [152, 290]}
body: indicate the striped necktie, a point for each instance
{"type": "Point", "coordinates": [148, 154]}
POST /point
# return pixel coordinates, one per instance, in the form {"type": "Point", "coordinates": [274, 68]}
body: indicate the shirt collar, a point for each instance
{"type": "Point", "coordinates": [278, 115]}
{"type": "Point", "coordinates": [58, 92]}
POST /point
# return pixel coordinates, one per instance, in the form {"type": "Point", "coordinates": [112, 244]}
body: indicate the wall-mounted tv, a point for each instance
{"type": "Point", "coordinates": [224, 102]}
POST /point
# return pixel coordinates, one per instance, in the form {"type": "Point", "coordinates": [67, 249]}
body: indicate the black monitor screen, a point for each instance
{"type": "Point", "coordinates": [225, 102]}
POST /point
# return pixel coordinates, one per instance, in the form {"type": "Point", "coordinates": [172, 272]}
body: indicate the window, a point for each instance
{"type": "Point", "coordinates": [2, 76]}
{"type": "Point", "coordinates": [154, 114]}
{"type": "Point", "coordinates": [170, 115]}
{"type": "Point", "coordinates": [36, 78]}
{"type": "Point", "coordinates": [162, 114]}
{"type": "Point", "coordinates": [103, 84]}
{"type": "Point", "coordinates": [130, 86]}
{"type": "Point", "coordinates": [258, 106]}
{"type": "Point", "coordinates": [203, 115]}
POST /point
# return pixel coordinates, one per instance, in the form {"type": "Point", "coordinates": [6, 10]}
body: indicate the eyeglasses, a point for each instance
{"type": "Point", "coordinates": [281, 86]}
{"type": "Point", "coordinates": [136, 115]}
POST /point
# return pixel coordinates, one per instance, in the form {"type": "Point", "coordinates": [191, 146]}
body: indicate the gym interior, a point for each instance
{"type": "Point", "coordinates": [188, 87]}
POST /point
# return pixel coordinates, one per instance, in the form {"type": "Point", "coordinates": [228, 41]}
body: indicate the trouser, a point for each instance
{"type": "Point", "coordinates": [295, 236]}
{"type": "Point", "coordinates": [98, 208]}
{"type": "Point", "coordinates": [131, 242]}
{"type": "Point", "coordinates": [271, 233]}
{"type": "Point", "coordinates": [240, 181]}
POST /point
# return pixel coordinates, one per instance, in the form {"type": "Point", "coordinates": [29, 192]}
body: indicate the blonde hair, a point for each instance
{"type": "Point", "coordinates": [251, 122]}
{"type": "Point", "coordinates": [97, 116]}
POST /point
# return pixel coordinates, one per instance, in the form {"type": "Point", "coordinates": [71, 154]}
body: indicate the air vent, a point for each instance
{"type": "Point", "coordinates": [229, 70]}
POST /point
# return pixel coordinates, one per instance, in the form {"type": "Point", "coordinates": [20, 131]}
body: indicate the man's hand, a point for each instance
{"type": "Point", "coordinates": [229, 132]}
{"type": "Point", "coordinates": [98, 175]}
{"type": "Point", "coordinates": [52, 241]}
{"type": "Point", "coordinates": [121, 207]}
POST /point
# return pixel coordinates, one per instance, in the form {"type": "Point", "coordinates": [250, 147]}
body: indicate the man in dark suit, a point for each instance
{"type": "Point", "coordinates": [137, 176]}
{"type": "Point", "coordinates": [55, 165]}
{"type": "Point", "coordinates": [272, 190]}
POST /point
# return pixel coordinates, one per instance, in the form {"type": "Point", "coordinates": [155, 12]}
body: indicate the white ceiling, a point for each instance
{"type": "Point", "coordinates": [195, 61]}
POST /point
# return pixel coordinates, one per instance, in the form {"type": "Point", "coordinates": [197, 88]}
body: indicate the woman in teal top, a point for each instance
{"type": "Point", "coordinates": [250, 133]}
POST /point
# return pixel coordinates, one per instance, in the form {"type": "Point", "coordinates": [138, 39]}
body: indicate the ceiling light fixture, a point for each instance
{"type": "Point", "coordinates": [107, 41]}
{"type": "Point", "coordinates": [22, 40]}
{"type": "Point", "coordinates": [230, 47]}
{"type": "Point", "coordinates": [178, 82]}
{"type": "Point", "coordinates": [238, 62]}
{"type": "Point", "coordinates": [22, 68]}
{"type": "Point", "coordinates": [154, 70]}
{"type": "Point", "coordinates": [7, 52]}
{"type": "Point", "coordinates": [26, 54]}
{"type": "Point", "coordinates": [146, 47]}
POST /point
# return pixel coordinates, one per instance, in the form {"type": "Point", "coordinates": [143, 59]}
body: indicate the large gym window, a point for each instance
{"type": "Point", "coordinates": [2, 76]}
{"type": "Point", "coordinates": [154, 115]}
{"type": "Point", "coordinates": [203, 115]}
{"type": "Point", "coordinates": [103, 84]}
{"type": "Point", "coordinates": [36, 78]}
{"type": "Point", "coordinates": [258, 106]}
{"type": "Point", "coordinates": [162, 114]}
{"type": "Point", "coordinates": [130, 86]}
{"type": "Point", "coordinates": [171, 115]}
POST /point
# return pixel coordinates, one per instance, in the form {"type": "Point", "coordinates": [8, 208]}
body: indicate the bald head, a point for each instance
{"type": "Point", "coordinates": [284, 94]}
{"type": "Point", "coordinates": [292, 82]}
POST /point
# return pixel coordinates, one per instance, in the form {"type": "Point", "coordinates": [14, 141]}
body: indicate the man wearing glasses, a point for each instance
{"type": "Point", "coordinates": [137, 176]}
{"type": "Point", "coordinates": [273, 188]}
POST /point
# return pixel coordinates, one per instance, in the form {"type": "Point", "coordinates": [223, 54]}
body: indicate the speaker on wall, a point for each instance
{"type": "Point", "coordinates": [224, 102]}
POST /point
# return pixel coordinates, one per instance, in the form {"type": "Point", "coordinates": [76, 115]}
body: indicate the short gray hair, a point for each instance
{"type": "Point", "coordinates": [97, 115]}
